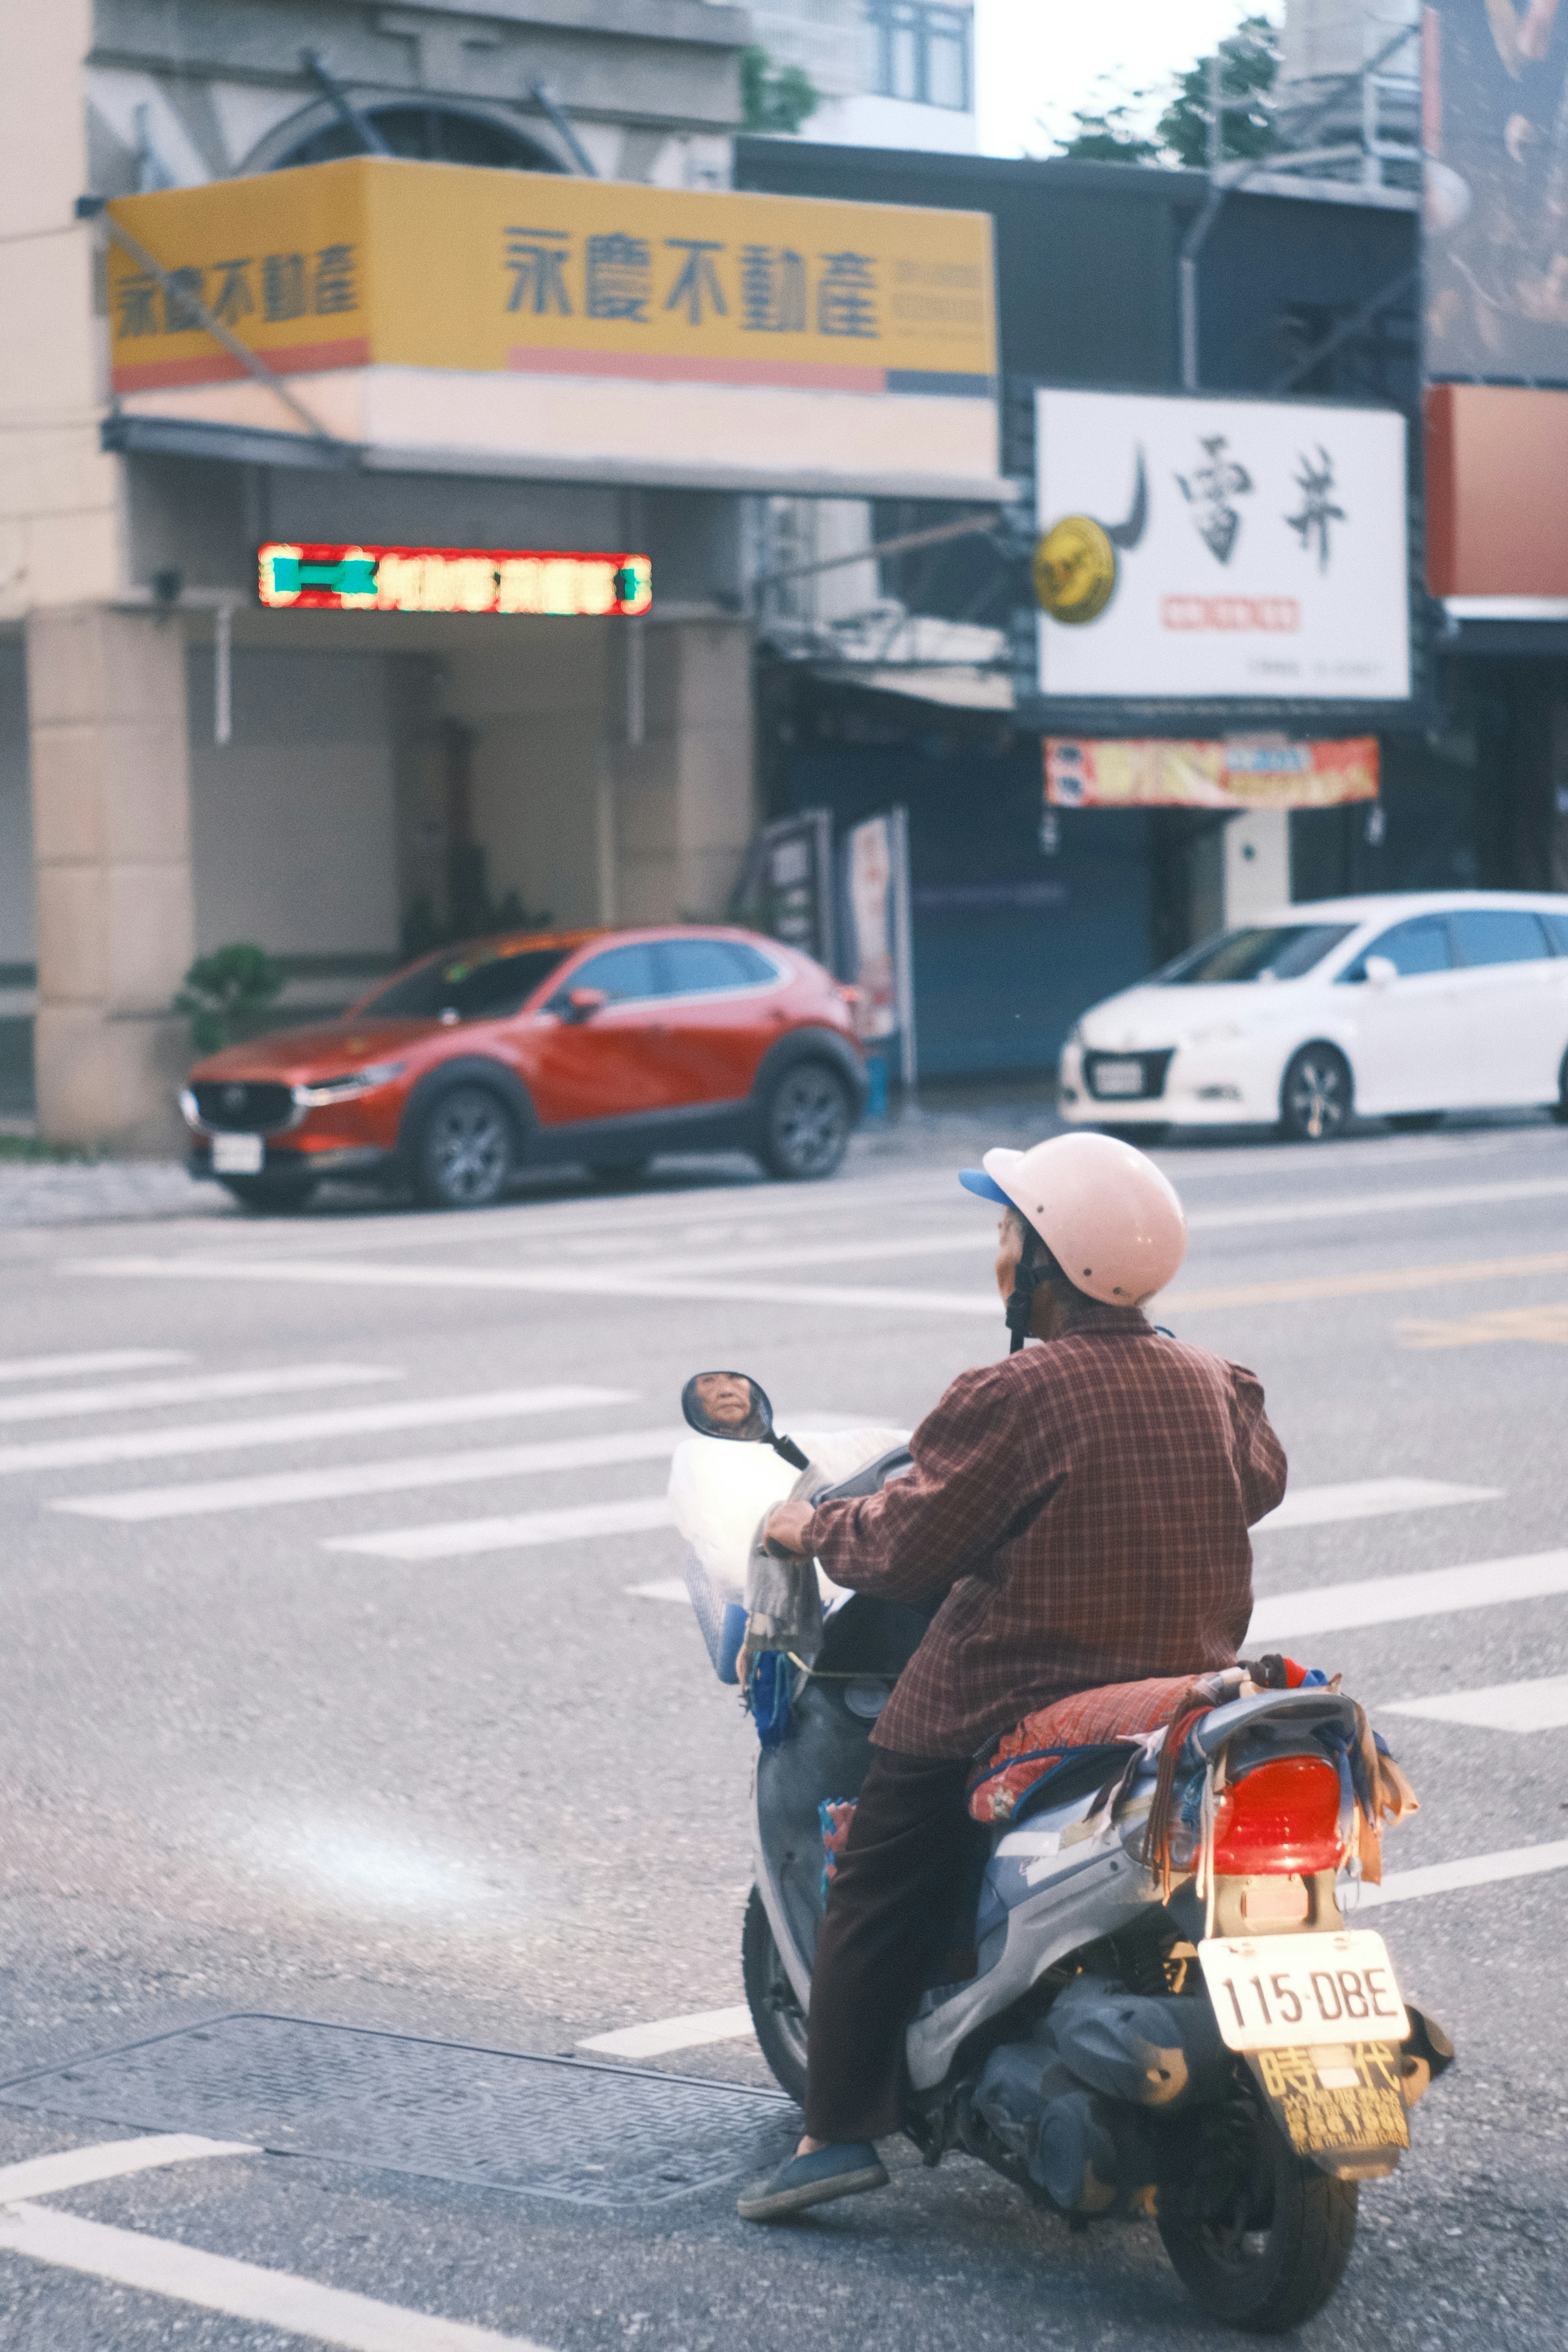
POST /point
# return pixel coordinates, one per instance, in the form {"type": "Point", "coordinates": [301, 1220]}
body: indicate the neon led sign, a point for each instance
{"type": "Point", "coordinates": [452, 580]}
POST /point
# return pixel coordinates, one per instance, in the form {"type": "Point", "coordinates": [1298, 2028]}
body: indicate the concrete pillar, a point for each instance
{"type": "Point", "coordinates": [1257, 863]}
{"type": "Point", "coordinates": [682, 772]}
{"type": "Point", "coordinates": [111, 783]}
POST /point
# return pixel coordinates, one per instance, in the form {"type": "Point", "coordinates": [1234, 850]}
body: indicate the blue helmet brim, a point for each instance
{"type": "Point", "coordinates": [975, 1179]}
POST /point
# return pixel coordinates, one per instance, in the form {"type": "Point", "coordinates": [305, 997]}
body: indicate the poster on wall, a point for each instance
{"type": "Point", "coordinates": [878, 949]}
{"type": "Point", "coordinates": [1224, 775]}
{"type": "Point", "coordinates": [786, 887]}
{"type": "Point", "coordinates": [1494, 106]}
{"type": "Point", "coordinates": [1198, 549]}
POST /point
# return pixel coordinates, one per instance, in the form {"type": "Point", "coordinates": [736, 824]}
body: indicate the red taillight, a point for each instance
{"type": "Point", "coordinates": [1281, 1819]}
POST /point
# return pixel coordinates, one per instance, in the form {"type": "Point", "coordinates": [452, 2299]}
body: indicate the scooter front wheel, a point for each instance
{"type": "Point", "coordinates": [776, 2009]}
{"type": "Point", "coordinates": [1258, 2236]}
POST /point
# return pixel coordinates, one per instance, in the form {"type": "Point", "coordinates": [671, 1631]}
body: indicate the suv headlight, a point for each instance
{"type": "Point", "coordinates": [346, 1090]}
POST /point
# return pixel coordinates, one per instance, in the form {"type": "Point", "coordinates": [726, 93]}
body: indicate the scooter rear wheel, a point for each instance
{"type": "Point", "coordinates": [776, 2010]}
{"type": "Point", "coordinates": [1257, 2236]}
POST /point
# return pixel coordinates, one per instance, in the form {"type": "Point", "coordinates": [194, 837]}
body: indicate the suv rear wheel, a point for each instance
{"type": "Point", "coordinates": [466, 1150]}
{"type": "Point", "coordinates": [807, 1123]}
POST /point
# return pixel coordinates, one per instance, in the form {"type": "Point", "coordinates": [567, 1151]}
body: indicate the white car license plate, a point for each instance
{"type": "Point", "coordinates": [1284, 1993]}
{"type": "Point", "coordinates": [1118, 1078]}
{"type": "Point", "coordinates": [237, 1155]}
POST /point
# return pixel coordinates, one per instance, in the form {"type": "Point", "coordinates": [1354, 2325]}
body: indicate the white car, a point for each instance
{"type": "Point", "coordinates": [1399, 1007]}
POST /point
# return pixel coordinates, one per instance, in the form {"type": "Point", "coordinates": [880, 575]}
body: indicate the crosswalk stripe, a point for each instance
{"type": "Point", "coordinates": [1499, 1706]}
{"type": "Point", "coordinates": [977, 1234]}
{"type": "Point", "coordinates": [1477, 1870]}
{"type": "Point", "coordinates": [460, 1539]}
{"type": "Point", "coordinates": [375, 1477]}
{"type": "Point", "coordinates": [1385, 1599]}
{"type": "Point", "coordinates": [667, 2033]}
{"type": "Point", "coordinates": [591, 1280]}
{"type": "Point", "coordinates": [1368, 1499]}
{"type": "Point", "coordinates": [103, 1359]}
{"type": "Point", "coordinates": [78, 2168]}
{"type": "Point", "coordinates": [302, 1428]}
{"type": "Point", "coordinates": [208, 1388]}
{"type": "Point", "coordinates": [661, 1587]}
{"type": "Point", "coordinates": [271, 2299]}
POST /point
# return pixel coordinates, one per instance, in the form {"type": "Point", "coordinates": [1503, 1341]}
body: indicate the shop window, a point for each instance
{"type": "Point", "coordinates": [920, 51]}
{"type": "Point", "coordinates": [428, 134]}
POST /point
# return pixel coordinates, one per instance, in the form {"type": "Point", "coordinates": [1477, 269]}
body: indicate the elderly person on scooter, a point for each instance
{"type": "Point", "coordinates": [1080, 1511]}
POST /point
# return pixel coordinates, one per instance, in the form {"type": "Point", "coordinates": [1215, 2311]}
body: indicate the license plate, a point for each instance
{"type": "Point", "coordinates": [1118, 1078]}
{"type": "Point", "coordinates": [237, 1155]}
{"type": "Point", "coordinates": [1285, 1992]}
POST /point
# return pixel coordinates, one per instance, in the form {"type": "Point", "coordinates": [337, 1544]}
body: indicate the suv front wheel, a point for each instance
{"type": "Point", "coordinates": [807, 1123]}
{"type": "Point", "coordinates": [466, 1151]}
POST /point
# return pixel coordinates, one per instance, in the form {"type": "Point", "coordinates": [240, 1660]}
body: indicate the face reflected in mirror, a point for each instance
{"type": "Point", "coordinates": [727, 1404]}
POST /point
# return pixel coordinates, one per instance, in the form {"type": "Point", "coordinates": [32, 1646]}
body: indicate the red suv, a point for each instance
{"type": "Point", "coordinates": [592, 1047]}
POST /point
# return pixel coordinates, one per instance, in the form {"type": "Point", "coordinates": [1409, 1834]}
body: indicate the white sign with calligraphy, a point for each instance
{"type": "Point", "coordinates": [1194, 549]}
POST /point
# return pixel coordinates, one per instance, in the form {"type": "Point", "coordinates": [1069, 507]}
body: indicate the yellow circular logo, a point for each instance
{"type": "Point", "coordinates": [1075, 570]}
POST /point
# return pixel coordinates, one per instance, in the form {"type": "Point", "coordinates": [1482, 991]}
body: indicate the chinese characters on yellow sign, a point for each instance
{"type": "Point", "coordinates": [377, 261]}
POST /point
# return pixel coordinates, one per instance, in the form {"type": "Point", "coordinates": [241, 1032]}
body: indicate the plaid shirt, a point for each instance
{"type": "Point", "coordinates": [1083, 1506]}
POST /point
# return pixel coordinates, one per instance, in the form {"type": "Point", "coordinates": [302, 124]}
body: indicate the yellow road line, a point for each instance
{"type": "Point", "coordinates": [1364, 1285]}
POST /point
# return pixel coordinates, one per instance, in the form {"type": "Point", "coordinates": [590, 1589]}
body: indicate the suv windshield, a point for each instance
{"type": "Point", "coordinates": [1282, 952]}
{"type": "Point", "coordinates": [488, 985]}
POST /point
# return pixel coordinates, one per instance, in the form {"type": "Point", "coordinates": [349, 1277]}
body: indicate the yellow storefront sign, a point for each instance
{"type": "Point", "coordinates": [378, 262]}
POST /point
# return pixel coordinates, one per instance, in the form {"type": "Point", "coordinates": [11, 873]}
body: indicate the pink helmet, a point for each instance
{"type": "Point", "coordinates": [1106, 1214]}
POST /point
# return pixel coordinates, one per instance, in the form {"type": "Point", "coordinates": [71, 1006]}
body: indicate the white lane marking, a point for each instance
{"type": "Point", "coordinates": [377, 1478]}
{"type": "Point", "coordinates": [277, 2299]}
{"type": "Point", "coordinates": [1369, 1498]}
{"type": "Point", "coordinates": [302, 1428]}
{"type": "Point", "coordinates": [979, 1234]}
{"type": "Point", "coordinates": [662, 1588]}
{"type": "Point", "coordinates": [1385, 1599]}
{"type": "Point", "coordinates": [1497, 1706]}
{"type": "Point", "coordinates": [589, 1280]}
{"type": "Point", "coordinates": [1377, 1204]}
{"type": "Point", "coordinates": [694, 2032]}
{"type": "Point", "coordinates": [110, 2159]}
{"type": "Point", "coordinates": [106, 1360]}
{"type": "Point", "coordinates": [1479, 1870]}
{"type": "Point", "coordinates": [459, 1538]}
{"type": "Point", "coordinates": [594, 1279]}
{"type": "Point", "coordinates": [208, 1388]}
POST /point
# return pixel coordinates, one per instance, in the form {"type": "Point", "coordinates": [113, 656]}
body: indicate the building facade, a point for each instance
{"type": "Point", "coordinates": [427, 279]}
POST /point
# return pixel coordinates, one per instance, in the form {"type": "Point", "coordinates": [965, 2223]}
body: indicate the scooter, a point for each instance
{"type": "Point", "coordinates": [1198, 2034]}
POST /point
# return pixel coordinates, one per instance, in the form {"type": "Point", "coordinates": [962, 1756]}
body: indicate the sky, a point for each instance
{"type": "Point", "coordinates": [1039, 59]}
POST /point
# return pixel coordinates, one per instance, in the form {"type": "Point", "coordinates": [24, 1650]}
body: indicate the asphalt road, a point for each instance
{"type": "Point", "coordinates": [398, 1745]}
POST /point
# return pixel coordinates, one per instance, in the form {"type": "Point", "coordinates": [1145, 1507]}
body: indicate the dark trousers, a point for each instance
{"type": "Point", "coordinates": [893, 1913]}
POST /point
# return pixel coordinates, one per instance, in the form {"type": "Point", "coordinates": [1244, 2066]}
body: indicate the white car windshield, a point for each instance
{"type": "Point", "coordinates": [1275, 952]}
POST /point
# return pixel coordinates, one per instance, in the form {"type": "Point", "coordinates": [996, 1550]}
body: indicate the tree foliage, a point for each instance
{"type": "Point", "coordinates": [1110, 136]}
{"type": "Point", "coordinates": [1250, 64]}
{"type": "Point", "coordinates": [776, 97]}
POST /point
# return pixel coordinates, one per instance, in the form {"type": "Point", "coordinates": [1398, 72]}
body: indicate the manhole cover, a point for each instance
{"type": "Point", "coordinates": [592, 2134]}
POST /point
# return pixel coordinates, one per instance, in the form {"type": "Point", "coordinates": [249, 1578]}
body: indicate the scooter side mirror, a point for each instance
{"type": "Point", "coordinates": [734, 1406]}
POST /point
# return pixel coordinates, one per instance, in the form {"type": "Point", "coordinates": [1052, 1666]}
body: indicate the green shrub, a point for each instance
{"type": "Point", "coordinates": [225, 993]}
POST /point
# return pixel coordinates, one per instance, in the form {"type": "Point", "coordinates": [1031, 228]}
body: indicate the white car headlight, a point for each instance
{"type": "Point", "coordinates": [346, 1090]}
{"type": "Point", "coordinates": [1219, 1035]}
